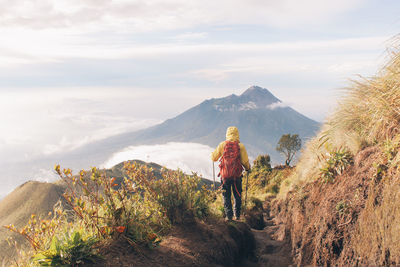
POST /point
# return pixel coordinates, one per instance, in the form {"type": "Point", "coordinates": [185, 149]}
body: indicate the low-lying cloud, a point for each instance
{"type": "Point", "coordinates": [189, 157]}
{"type": "Point", "coordinates": [38, 125]}
{"type": "Point", "coordinates": [277, 105]}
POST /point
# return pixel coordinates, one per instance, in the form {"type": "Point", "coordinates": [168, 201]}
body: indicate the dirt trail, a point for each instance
{"type": "Point", "coordinates": [272, 247]}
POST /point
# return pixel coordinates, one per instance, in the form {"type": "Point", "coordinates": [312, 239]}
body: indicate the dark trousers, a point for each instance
{"type": "Point", "coordinates": [232, 185]}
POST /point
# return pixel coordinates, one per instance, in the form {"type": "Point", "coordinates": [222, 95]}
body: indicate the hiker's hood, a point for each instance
{"type": "Point", "coordinates": [232, 134]}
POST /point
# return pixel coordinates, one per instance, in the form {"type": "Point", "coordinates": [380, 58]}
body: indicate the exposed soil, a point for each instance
{"type": "Point", "coordinates": [216, 243]}
{"type": "Point", "coordinates": [200, 244]}
{"type": "Point", "coordinates": [273, 247]}
{"type": "Point", "coordinates": [321, 218]}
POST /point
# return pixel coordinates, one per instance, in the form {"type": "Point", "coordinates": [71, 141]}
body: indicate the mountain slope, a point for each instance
{"type": "Point", "coordinates": [16, 208]}
{"type": "Point", "coordinates": [260, 117]}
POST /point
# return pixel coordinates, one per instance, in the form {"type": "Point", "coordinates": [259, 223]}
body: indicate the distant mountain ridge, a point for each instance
{"type": "Point", "coordinates": [260, 117]}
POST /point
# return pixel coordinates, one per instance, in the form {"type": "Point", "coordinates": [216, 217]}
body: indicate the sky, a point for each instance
{"type": "Point", "coordinates": [76, 71]}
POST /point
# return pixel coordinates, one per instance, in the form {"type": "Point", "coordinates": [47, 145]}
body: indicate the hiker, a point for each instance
{"type": "Point", "coordinates": [233, 157]}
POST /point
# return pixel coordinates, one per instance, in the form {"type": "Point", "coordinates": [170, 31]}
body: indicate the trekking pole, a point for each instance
{"type": "Point", "coordinates": [247, 185]}
{"type": "Point", "coordinates": [214, 174]}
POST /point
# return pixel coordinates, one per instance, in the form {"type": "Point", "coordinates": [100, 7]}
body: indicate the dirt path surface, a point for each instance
{"type": "Point", "coordinates": [216, 243]}
{"type": "Point", "coordinates": [200, 244]}
{"type": "Point", "coordinates": [272, 247]}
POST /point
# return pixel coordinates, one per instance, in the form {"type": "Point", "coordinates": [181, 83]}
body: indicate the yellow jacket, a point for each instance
{"type": "Point", "coordinates": [232, 134]}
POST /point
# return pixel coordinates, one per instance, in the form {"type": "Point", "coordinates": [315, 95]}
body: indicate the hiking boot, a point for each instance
{"type": "Point", "coordinates": [237, 218]}
{"type": "Point", "coordinates": [228, 219]}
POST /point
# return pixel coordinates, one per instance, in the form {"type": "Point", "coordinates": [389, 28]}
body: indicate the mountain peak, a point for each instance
{"type": "Point", "coordinates": [253, 89]}
{"type": "Point", "coordinates": [259, 94]}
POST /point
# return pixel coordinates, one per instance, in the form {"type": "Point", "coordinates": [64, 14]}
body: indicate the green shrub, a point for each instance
{"type": "Point", "coordinates": [336, 162]}
{"type": "Point", "coordinates": [273, 189]}
{"type": "Point", "coordinates": [178, 194]}
{"type": "Point", "coordinates": [390, 147]}
{"type": "Point", "coordinates": [258, 178]}
{"type": "Point", "coordinates": [71, 250]}
{"type": "Point", "coordinates": [221, 210]}
{"type": "Point", "coordinates": [256, 203]}
{"type": "Point", "coordinates": [342, 207]}
{"type": "Point", "coordinates": [262, 161]}
{"type": "Point", "coordinates": [40, 230]}
{"type": "Point", "coordinates": [138, 209]}
{"type": "Point", "coordinates": [112, 210]}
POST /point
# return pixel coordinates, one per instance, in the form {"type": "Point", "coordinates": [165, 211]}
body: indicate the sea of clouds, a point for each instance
{"type": "Point", "coordinates": [188, 157]}
{"type": "Point", "coordinates": [41, 124]}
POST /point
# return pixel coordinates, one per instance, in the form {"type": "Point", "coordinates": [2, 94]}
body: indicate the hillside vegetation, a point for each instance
{"type": "Point", "coordinates": [341, 204]}
{"type": "Point", "coordinates": [136, 213]}
{"type": "Point", "coordinates": [140, 214]}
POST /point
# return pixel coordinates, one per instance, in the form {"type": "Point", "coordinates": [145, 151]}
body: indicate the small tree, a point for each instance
{"type": "Point", "coordinates": [262, 161]}
{"type": "Point", "coordinates": [289, 145]}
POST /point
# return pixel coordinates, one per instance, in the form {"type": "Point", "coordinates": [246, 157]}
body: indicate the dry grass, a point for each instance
{"type": "Point", "coordinates": [366, 123]}
{"type": "Point", "coordinates": [17, 207]}
{"type": "Point", "coordinates": [306, 170]}
{"type": "Point", "coordinates": [368, 113]}
{"type": "Point", "coordinates": [377, 238]}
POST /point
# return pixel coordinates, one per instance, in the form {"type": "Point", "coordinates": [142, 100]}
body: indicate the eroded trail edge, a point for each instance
{"type": "Point", "coordinates": [273, 246]}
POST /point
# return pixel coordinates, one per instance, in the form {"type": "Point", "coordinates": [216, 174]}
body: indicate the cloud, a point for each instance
{"type": "Point", "coordinates": [338, 57]}
{"type": "Point", "coordinates": [248, 106]}
{"type": "Point", "coordinates": [212, 74]}
{"type": "Point", "coordinates": [94, 128]}
{"type": "Point", "coordinates": [190, 36]}
{"type": "Point", "coordinates": [148, 15]}
{"type": "Point", "coordinates": [54, 48]}
{"type": "Point", "coordinates": [277, 105]}
{"type": "Point", "coordinates": [46, 122]}
{"type": "Point", "coordinates": [186, 156]}
{"type": "Point", "coordinates": [83, 47]}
